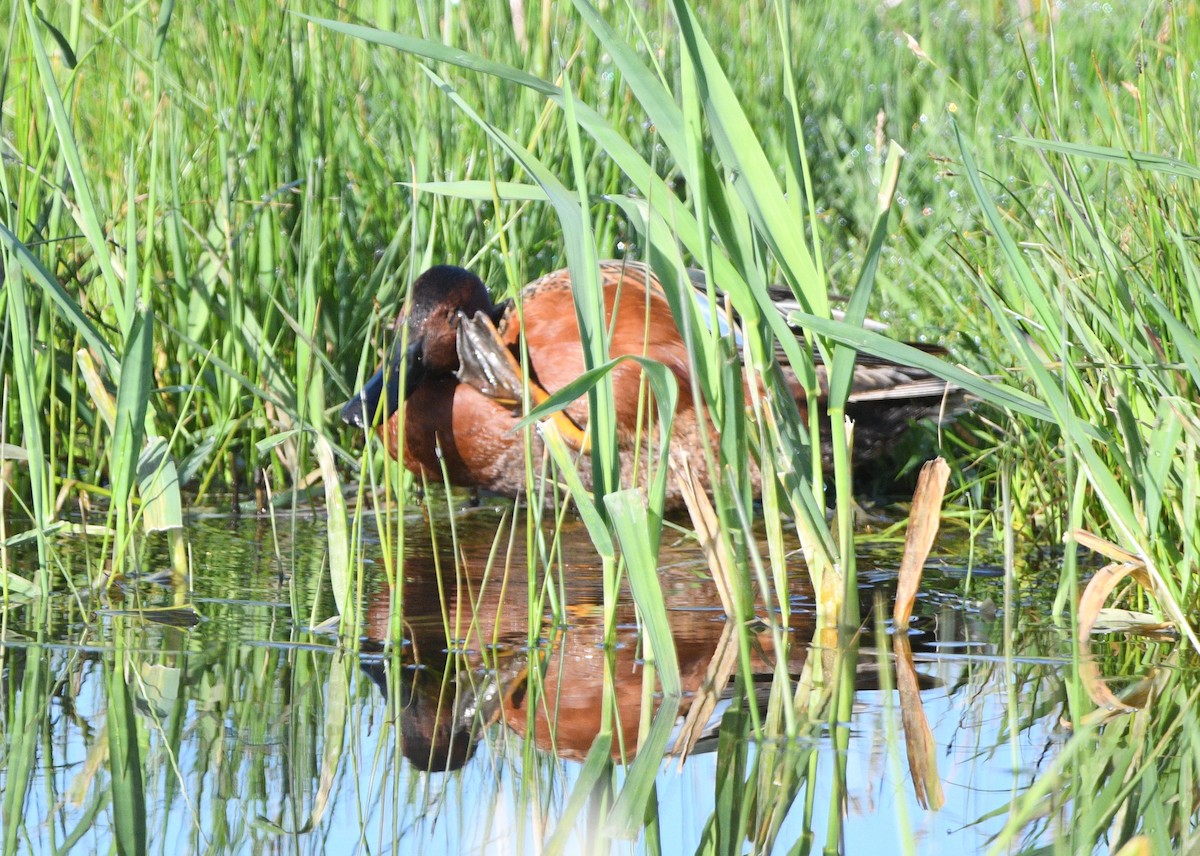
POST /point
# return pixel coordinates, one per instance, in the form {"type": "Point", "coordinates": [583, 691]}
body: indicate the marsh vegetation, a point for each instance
{"type": "Point", "coordinates": [223, 609]}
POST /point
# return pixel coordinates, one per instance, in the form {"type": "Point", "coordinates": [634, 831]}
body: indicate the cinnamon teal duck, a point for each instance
{"type": "Point", "coordinates": [459, 419]}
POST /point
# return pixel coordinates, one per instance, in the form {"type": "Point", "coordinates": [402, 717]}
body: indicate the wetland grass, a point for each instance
{"type": "Point", "coordinates": [211, 215]}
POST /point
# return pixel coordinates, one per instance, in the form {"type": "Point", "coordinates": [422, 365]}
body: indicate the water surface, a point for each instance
{"type": "Point", "coordinates": [259, 729]}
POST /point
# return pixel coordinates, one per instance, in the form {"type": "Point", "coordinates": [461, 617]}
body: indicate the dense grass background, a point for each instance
{"type": "Point", "coordinates": [249, 179]}
{"type": "Point", "coordinates": [252, 181]}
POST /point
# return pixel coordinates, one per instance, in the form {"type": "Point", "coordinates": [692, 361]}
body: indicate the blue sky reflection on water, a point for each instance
{"type": "Point", "coordinates": [485, 808]}
{"type": "Point", "coordinates": [237, 714]}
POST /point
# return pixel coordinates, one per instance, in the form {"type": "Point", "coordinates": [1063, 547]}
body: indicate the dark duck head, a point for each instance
{"type": "Point", "coordinates": [425, 341]}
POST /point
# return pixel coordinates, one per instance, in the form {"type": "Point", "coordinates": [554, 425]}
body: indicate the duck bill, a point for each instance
{"type": "Point", "coordinates": [384, 389]}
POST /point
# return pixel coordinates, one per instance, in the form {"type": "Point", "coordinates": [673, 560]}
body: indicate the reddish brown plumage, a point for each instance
{"type": "Point", "coordinates": [643, 327]}
{"type": "Point", "coordinates": [475, 433]}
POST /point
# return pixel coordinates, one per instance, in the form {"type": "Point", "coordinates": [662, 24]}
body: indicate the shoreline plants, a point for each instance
{"type": "Point", "coordinates": [211, 214]}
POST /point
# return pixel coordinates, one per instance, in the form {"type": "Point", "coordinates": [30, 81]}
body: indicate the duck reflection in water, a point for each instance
{"type": "Point", "coordinates": [451, 690]}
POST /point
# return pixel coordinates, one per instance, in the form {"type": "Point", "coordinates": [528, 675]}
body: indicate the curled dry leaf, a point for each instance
{"type": "Point", "coordinates": [918, 736]}
{"type": "Point", "coordinates": [1099, 587]}
{"type": "Point", "coordinates": [923, 521]}
{"type": "Point", "coordinates": [1102, 546]}
{"type": "Point", "coordinates": [1091, 608]}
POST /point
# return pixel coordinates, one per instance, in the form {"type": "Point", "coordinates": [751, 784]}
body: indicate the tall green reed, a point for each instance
{"type": "Point", "coordinates": [1096, 298]}
{"type": "Point", "coordinates": [254, 175]}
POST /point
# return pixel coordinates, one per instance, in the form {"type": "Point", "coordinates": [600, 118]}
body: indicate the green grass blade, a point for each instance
{"type": "Point", "coordinates": [436, 51]}
{"type": "Point", "coordinates": [14, 589]}
{"type": "Point", "coordinates": [631, 522]}
{"type": "Point", "coordinates": [86, 210]}
{"type": "Point", "coordinates": [162, 27]}
{"type": "Point", "coordinates": [756, 184]}
{"type": "Point", "coordinates": [878, 345]}
{"type": "Point", "coordinates": [588, 291]}
{"type": "Point", "coordinates": [1164, 440]}
{"type": "Point", "coordinates": [645, 85]}
{"type": "Point", "coordinates": [841, 375]}
{"type": "Point", "coordinates": [158, 487]}
{"type": "Point", "coordinates": [1141, 160]}
{"type": "Point", "coordinates": [666, 396]}
{"type": "Point", "coordinates": [638, 538]}
{"type": "Point", "coordinates": [129, 427]}
{"type": "Point", "coordinates": [586, 505]}
{"type": "Point", "coordinates": [29, 399]}
{"type": "Point", "coordinates": [30, 688]}
{"type": "Point", "coordinates": [338, 532]}
{"type": "Point", "coordinates": [124, 753]}
{"type": "Point", "coordinates": [596, 766]}
{"type": "Point", "coordinates": [482, 191]}
{"type": "Point", "coordinates": [628, 814]}
{"type": "Point", "coordinates": [65, 303]}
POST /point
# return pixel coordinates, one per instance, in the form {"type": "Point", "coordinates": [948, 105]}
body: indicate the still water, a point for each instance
{"type": "Point", "coordinates": [257, 729]}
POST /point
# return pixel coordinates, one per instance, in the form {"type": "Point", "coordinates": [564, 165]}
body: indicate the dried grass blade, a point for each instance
{"type": "Point", "coordinates": [918, 736]}
{"type": "Point", "coordinates": [923, 522]}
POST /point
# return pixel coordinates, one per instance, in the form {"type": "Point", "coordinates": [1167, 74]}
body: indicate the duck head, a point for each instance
{"type": "Point", "coordinates": [440, 297]}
